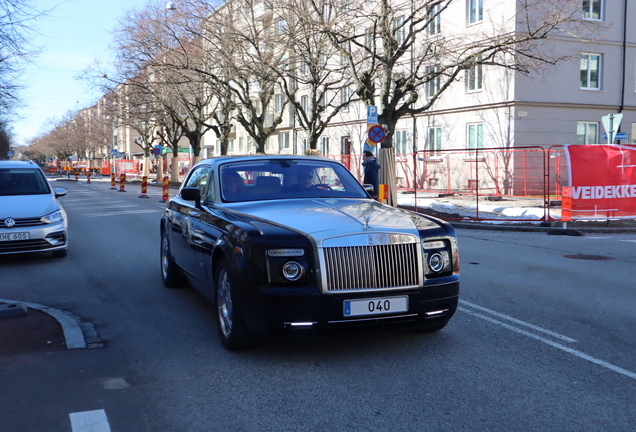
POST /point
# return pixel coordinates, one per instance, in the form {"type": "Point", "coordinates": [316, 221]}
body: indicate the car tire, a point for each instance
{"type": "Point", "coordinates": [233, 331]}
{"type": "Point", "coordinates": [430, 327]}
{"type": "Point", "coordinates": [170, 273]}
{"type": "Point", "coordinates": [60, 253]}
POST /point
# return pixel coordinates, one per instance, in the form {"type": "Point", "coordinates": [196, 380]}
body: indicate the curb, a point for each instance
{"type": "Point", "coordinates": [540, 229]}
{"type": "Point", "coordinates": [70, 327]}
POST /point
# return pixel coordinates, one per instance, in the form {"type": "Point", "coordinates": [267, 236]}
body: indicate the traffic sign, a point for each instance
{"type": "Point", "coordinates": [114, 152]}
{"type": "Point", "coordinates": [611, 122]}
{"type": "Point", "coordinates": [156, 150]}
{"type": "Point", "coordinates": [376, 134]}
{"type": "Point", "coordinates": [10, 154]}
{"type": "Point", "coordinates": [619, 136]}
{"type": "Point", "coordinates": [372, 114]}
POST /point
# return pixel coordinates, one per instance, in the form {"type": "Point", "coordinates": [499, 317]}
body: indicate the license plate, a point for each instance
{"type": "Point", "coordinates": [376, 306]}
{"type": "Point", "coordinates": [14, 236]}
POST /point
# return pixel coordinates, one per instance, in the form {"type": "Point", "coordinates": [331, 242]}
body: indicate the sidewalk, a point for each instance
{"type": "Point", "coordinates": [509, 214]}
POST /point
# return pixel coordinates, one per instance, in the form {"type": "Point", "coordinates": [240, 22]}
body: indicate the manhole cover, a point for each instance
{"type": "Point", "coordinates": [589, 257]}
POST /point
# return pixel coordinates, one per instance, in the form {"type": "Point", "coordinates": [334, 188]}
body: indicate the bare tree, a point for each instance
{"type": "Point", "coordinates": [397, 53]}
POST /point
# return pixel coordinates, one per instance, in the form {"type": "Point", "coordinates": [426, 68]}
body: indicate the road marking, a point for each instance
{"type": "Point", "coordinates": [121, 213]}
{"type": "Point", "coordinates": [89, 421]}
{"type": "Point", "coordinates": [556, 345]}
{"type": "Point", "coordinates": [519, 322]}
{"type": "Point", "coordinates": [632, 241]}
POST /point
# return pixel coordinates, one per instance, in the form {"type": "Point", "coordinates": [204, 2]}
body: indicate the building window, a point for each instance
{"type": "Point", "coordinates": [474, 80]}
{"type": "Point", "coordinates": [303, 146]}
{"type": "Point", "coordinates": [241, 145]}
{"type": "Point", "coordinates": [475, 136]}
{"type": "Point", "coordinates": [304, 67]}
{"type": "Point", "coordinates": [432, 87]}
{"type": "Point", "coordinates": [283, 139]}
{"type": "Point", "coordinates": [304, 103]}
{"type": "Point", "coordinates": [400, 141]}
{"type": "Point", "coordinates": [587, 133]}
{"type": "Point", "coordinates": [633, 137]}
{"type": "Point", "coordinates": [593, 9]}
{"type": "Point", "coordinates": [475, 11]}
{"type": "Point", "coordinates": [590, 71]}
{"type": "Point", "coordinates": [435, 139]}
{"type": "Point", "coordinates": [230, 146]}
{"type": "Point", "coordinates": [278, 102]}
{"type": "Point", "coordinates": [345, 95]}
{"type": "Point", "coordinates": [434, 26]}
{"type": "Point", "coordinates": [324, 146]}
{"type": "Point", "coordinates": [399, 30]}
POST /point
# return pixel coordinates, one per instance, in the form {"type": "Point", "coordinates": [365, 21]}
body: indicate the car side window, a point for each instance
{"type": "Point", "coordinates": [199, 179]}
{"type": "Point", "coordinates": [211, 195]}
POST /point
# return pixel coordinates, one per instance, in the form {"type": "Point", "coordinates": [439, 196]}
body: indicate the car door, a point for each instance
{"type": "Point", "coordinates": [185, 237]}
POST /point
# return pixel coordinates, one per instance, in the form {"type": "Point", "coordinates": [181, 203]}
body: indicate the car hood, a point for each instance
{"type": "Point", "coordinates": [324, 218]}
{"type": "Point", "coordinates": [27, 206]}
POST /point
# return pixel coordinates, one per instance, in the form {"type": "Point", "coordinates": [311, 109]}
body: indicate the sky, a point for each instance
{"type": "Point", "coordinates": [71, 37]}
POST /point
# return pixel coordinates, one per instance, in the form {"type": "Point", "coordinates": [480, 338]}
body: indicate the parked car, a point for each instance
{"type": "Point", "coordinates": [295, 242]}
{"type": "Point", "coordinates": [31, 217]}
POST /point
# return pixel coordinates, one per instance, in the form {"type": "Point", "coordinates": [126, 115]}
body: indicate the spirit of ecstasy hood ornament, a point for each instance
{"type": "Point", "coordinates": [366, 224]}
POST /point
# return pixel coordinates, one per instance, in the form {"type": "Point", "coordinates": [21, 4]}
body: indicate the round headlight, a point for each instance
{"type": "Point", "coordinates": [292, 271]}
{"type": "Point", "coordinates": [436, 262]}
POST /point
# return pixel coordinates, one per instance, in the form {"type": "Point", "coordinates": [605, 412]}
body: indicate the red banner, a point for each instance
{"type": "Point", "coordinates": [603, 181]}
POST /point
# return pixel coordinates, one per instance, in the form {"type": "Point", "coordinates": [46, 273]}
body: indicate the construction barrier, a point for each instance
{"type": "Point", "coordinates": [122, 182]}
{"type": "Point", "coordinates": [113, 181]}
{"type": "Point", "coordinates": [88, 177]}
{"type": "Point", "coordinates": [77, 176]}
{"type": "Point", "coordinates": [166, 186]}
{"type": "Point", "coordinates": [144, 187]}
{"type": "Point", "coordinates": [383, 192]}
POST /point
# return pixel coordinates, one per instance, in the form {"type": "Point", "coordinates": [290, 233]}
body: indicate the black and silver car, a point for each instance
{"type": "Point", "coordinates": [31, 217]}
{"type": "Point", "coordinates": [295, 242]}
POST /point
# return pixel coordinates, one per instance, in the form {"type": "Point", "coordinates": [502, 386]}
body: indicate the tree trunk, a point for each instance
{"type": "Point", "coordinates": [174, 169]}
{"type": "Point", "coordinates": [386, 158]}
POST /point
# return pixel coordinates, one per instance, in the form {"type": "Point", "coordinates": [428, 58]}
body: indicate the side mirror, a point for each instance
{"type": "Point", "coordinates": [59, 192]}
{"type": "Point", "coordinates": [368, 188]}
{"type": "Point", "coordinates": [191, 194]}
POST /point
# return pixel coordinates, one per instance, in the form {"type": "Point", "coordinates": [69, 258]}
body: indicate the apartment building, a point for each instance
{"type": "Point", "coordinates": [493, 107]}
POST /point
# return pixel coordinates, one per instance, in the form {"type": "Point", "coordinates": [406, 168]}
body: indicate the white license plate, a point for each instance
{"type": "Point", "coordinates": [376, 306]}
{"type": "Point", "coordinates": [14, 236]}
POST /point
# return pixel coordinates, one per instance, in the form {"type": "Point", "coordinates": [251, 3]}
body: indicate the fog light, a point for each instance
{"type": "Point", "coordinates": [436, 262]}
{"type": "Point", "coordinates": [292, 271]}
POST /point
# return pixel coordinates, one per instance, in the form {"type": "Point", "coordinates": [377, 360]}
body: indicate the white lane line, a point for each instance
{"type": "Point", "coordinates": [89, 421]}
{"type": "Point", "coordinates": [632, 241]}
{"type": "Point", "coordinates": [121, 213]}
{"type": "Point", "coordinates": [519, 322]}
{"type": "Point", "coordinates": [556, 345]}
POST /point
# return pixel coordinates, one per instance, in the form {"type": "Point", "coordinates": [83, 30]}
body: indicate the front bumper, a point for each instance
{"type": "Point", "coordinates": [42, 238]}
{"type": "Point", "coordinates": [276, 309]}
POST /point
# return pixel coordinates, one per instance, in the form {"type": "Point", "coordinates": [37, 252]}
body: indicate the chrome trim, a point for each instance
{"type": "Point", "coordinates": [365, 267]}
{"type": "Point", "coordinates": [372, 319]}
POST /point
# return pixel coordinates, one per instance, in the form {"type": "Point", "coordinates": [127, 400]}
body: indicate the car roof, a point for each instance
{"type": "Point", "coordinates": [18, 164]}
{"type": "Point", "coordinates": [246, 158]}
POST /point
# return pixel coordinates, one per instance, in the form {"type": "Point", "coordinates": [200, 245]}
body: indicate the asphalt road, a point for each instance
{"type": "Point", "coordinates": [541, 342]}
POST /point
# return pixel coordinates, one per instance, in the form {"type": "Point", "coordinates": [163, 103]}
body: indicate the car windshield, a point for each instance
{"type": "Point", "coordinates": [22, 181]}
{"type": "Point", "coordinates": [287, 179]}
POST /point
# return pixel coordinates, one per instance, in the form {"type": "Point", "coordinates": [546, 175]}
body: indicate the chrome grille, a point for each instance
{"type": "Point", "coordinates": [23, 222]}
{"type": "Point", "coordinates": [372, 267]}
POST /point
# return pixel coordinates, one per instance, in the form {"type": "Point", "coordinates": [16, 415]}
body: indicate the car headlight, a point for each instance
{"type": "Point", "coordinates": [292, 270]}
{"type": "Point", "coordinates": [56, 216]}
{"type": "Point", "coordinates": [437, 257]}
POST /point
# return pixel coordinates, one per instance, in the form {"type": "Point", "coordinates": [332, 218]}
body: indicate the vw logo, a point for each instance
{"type": "Point", "coordinates": [8, 222]}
